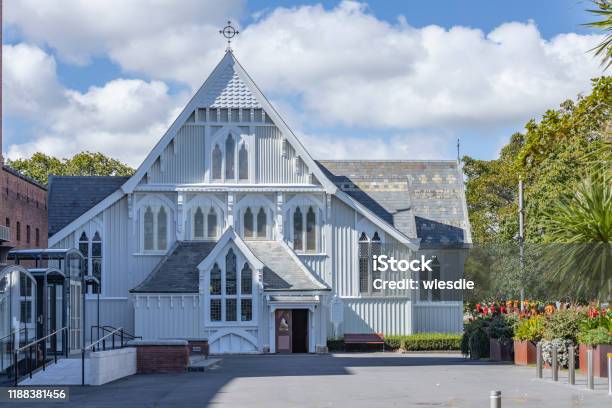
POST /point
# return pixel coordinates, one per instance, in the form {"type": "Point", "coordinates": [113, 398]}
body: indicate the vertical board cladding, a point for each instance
{"type": "Point", "coordinates": [381, 315]}
{"type": "Point", "coordinates": [114, 312]}
{"type": "Point", "coordinates": [274, 165]}
{"type": "Point", "coordinates": [183, 161]}
{"type": "Point", "coordinates": [317, 264]}
{"type": "Point", "coordinates": [164, 316]}
{"type": "Point", "coordinates": [344, 246]}
{"type": "Point", "coordinates": [446, 317]}
{"type": "Point", "coordinates": [122, 270]}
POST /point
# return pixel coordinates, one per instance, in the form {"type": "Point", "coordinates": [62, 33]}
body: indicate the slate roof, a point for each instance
{"type": "Point", "coordinates": [69, 197]}
{"type": "Point", "coordinates": [281, 270]}
{"type": "Point", "coordinates": [178, 271]}
{"type": "Point", "coordinates": [423, 199]}
{"type": "Point", "coordinates": [229, 91]}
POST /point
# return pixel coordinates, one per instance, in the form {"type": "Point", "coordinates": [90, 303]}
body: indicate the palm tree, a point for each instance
{"type": "Point", "coordinates": [578, 260]}
{"type": "Point", "coordinates": [604, 49]}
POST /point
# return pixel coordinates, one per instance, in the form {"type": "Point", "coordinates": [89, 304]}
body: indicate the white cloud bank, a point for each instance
{"type": "Point", "coordinates": [343, 65]}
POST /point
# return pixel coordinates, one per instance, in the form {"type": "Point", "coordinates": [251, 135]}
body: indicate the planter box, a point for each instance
{"type": "Point", "coordinates": [524, 352]}
{"type": "Point", "coordinates": [600, 358]}
{"type": "Point", "coordinates": [499, 352]}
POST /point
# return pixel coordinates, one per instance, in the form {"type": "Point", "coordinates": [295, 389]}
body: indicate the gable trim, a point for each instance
{"type": "Point", "coordinates": [230, 236]}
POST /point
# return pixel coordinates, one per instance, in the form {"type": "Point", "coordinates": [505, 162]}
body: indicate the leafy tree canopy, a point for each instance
{"type": "Point", "coordinates": [40, 166]}
{"type": "Point", "coordinates": [552, 156]}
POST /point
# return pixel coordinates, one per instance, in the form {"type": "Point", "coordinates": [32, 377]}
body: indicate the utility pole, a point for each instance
{"type": "Point", "coordinates": [521, 211]}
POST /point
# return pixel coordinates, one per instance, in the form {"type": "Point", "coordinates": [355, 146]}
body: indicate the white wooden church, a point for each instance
{"type": "Point", "coordinates": [229, 230]}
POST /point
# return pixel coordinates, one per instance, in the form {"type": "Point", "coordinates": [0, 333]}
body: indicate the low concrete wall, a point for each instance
{"type": "Point", "coordinates": [110, 365]}
{"type": "Point", "coordinates": [161, 356]}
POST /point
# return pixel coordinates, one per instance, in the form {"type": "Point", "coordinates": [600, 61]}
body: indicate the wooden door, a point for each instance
{"type": "Point", "coordinates": [283, 331]}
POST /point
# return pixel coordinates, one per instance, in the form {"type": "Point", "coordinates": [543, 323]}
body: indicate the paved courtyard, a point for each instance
{"type": "Point", "coordinates": [343, 380]}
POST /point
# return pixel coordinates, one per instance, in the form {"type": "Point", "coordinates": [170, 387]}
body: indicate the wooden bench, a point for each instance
{"type": "Point", "coordinates": [365, 338]}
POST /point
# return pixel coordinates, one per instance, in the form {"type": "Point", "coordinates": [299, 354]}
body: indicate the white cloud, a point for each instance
{"type": "Point", "coordinates": [334, 67]}
{"type": "Point", "coordinates": [123, 118]}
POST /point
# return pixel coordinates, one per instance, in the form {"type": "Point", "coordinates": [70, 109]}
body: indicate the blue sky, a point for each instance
{"type": "Point", "coordinates": [384, 80]}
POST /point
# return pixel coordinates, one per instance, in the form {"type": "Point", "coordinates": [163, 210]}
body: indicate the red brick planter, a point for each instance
{"type": "Point", "coordinates": [499, 352]}
{"type": "Point", "coordinates": [161, 356]}
{"type": "Point", "coordinates": [600, 358]}
{"type": "Point", "coordinates": [524, 352]}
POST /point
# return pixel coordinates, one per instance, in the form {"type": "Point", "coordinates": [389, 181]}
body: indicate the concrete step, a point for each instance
{"type": "Point", "coordinates": [201, 363]}
{"type": "Point", "coordinates": [67, 371]}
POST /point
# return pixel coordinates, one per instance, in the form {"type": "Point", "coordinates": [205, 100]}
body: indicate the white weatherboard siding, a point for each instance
{"type": "Point", "coordinates": [181, 162]}
{"type": "Point", "coordinates": [116, 312]}
{"type": "Point", "coordinates": [344, 248]}
{"type": "Point", "coordinates": [445, 317]}
{"type": "Point", "coordinates": [165, 316]}
{"type": "Point", "coordinates": [379, 315]}
{"type": "Point", "coordinates": [272, 166]}
{"type": "Point", "coordinates": [317, 264]}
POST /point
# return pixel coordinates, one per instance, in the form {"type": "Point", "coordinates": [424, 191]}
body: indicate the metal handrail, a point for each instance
{"type": "Point", "coordinates": [41, 339]}
{"type": "Point", "coordinates": [44, 351]}
{"type": "Point", "coordinates": [108, 328]}
{"type": "Point", "coordinates": [13, 337]}
{"type": "Point", "coordinates": [13, 333]}
{"type": "Point", "coordinates": [113, 333]}
{"type": "Point", "coordinates": [92, 347]}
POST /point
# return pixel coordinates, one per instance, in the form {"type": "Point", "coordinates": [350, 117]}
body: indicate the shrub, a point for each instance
{"type": "Point", "coordinates": [500, 329]}
{"type": "Point", "coordinates": [593, 337]}
{"type": "Point", "coordinates": [531, 329]}
{"type": "Point", "coordinates": [335, 344]}
{"type": "Point", "coordinates": [562, 346]}
{"type": "Point", "coordinates": [479, 344]}
{"type": "Point", "coordinates": [393, 342]}
{"type": "Point", "coordinates": [431, 342]}
{"type": "Point", "coordinates": [564, 324]}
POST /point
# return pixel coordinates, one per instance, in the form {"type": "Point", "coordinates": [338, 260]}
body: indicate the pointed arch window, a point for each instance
{"type": "Point", "coordinates": [204, 222]}
{"type": "Point", "coordinates": [162, 229]}
{"type": "Point", "coordinates": [243, 163]}
{"type": "Point", "coordinates": [367, 248]}
{"type": "Point", "coordinates": [364, 262]}
{"type": "Point", "coordinates": [248, 223]}
{"type": "Point", "coordinates": [198, 224]}
{"type": "Point", "coordinates": [229, 157]}
{"type": "Point", "coordinates": [216, 163]}
{"type": "Point", "coordinates": [154, 232]}
{"type": "Point", "coordinates": [298, 230]}
{"type": "Point", "coordinates": [91, 248]}
{"type": "Point", "coordinates": [305, 229]}
{"type": "Point", "coordinates": [311, 232]}
{"type": "Point", "coordinates": [261, 223]}
{"type": "Point", "coordinates": [212, 223]}
{"type": "Point", "coordinates": [149, 229]}
{"type": "Point", "coordinates": [231, 290]}
{"type": "Point", "coordinates": [230, 287]}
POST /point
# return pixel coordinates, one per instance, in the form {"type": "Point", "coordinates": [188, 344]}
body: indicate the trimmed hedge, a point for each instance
{"type": "Point", "coordinates": [431, 342]}
{"type": "Point", "coordinates": [414, 342]}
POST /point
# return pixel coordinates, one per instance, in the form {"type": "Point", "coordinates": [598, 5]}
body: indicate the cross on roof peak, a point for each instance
{"type": "Point", "coordinates": [229, 32]}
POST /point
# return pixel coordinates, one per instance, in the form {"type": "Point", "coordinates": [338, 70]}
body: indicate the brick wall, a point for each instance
{"type": "Point", "coordinates": [23, 203]}
{"type": "Point", "coordinates": [162, 359]}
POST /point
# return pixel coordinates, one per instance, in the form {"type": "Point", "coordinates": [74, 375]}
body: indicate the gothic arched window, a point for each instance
{"type": "Point", "coordinates": [364, 262]}
{"type": "Point", "coordinates": [261, 223]}
{"type": "Point", "coordinates": [298, 230]}
{"type": "Point", "coordinates": [311, 232]}
{"type": "Point", "coordinates": [212, 224]}
{"type": "Point", "coordinates": [149, 229]}
{"type": "Point", "coordinates": [162, 229]}
{"type": "Point", "coordinates": [229, 157]}
{"type": "Point", "coordinates": [216, 163]}
{"type": "Point", "coordinates": [198, 224]}
{"type": "Point", "coordinates": [248, 223]}
{"type": "Point", "coordinates": [243, 163]}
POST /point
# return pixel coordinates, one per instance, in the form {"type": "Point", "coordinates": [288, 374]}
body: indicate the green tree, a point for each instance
{"type": "Point", "coordinates": [40, 166]}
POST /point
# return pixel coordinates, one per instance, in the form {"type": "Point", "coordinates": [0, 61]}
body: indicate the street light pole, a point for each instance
{"type": "Point", "coordinates": [521, 211]}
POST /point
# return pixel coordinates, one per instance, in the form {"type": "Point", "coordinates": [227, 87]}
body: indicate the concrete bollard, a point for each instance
{"type": "Point", "coordinates": [555, 364]}
{"type": "Point", "coordinates": [539, 364]}
{"type": "Point", "coordinates": [610, 374]}
{"type": "Point", "coordinates": [590, 379]}
{"type": "Point", "coordinates": [571, 366]}
{"type": "Point", "coordinates": [495, 399]}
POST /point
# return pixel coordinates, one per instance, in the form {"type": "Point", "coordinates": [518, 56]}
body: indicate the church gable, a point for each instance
{"type": "Point", "coordinates": [227, 134]}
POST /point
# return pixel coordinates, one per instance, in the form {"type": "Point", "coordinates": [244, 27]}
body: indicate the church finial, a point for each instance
{"type": "Point", "coordinates": [458, 150]}
{"type": "Point", "coordinates": [229, 32]}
